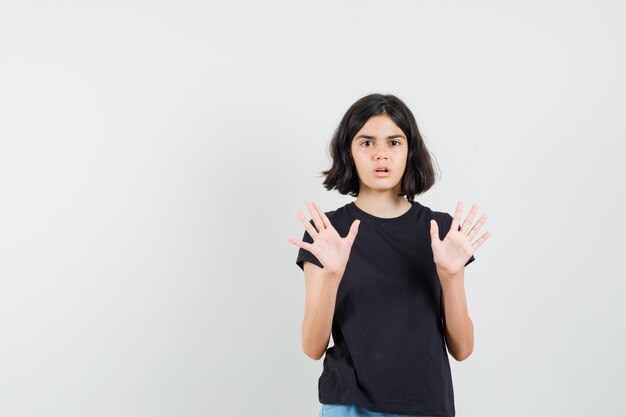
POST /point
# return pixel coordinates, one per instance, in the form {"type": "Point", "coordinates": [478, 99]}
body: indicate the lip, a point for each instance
{"type": "Point", "coordinates": [382, 174]}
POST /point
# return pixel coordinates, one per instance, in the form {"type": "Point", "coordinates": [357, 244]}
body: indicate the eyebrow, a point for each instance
{"type": "Point", "coordinates": [374, 137]}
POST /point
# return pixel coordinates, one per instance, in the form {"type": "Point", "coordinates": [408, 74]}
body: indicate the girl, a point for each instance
{"type": "Point", "coordinates": [391, 291]}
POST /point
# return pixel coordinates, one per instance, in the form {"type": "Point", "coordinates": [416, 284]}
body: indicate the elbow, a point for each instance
{"type": "Point", "coordinates": [461, 356]}
{"type": "Point", "coordinates": [310, 350]}
{"type": "Point", "coordinates": [316, 356]}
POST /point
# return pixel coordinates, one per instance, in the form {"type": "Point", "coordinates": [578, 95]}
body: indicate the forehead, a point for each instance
{"type": "Point", "coordinates": [380, 124]}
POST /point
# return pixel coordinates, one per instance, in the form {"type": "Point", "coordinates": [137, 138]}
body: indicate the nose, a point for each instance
{"type": "Point", "coordinates": [381, 151]}
{"type": "Point", "coordinates": [380, 155]}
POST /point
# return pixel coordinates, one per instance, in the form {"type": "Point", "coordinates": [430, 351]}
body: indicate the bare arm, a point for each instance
{"type": "Point", "coordinates": [459, 327]}
{"type": "Point", "coordinates": [321, 295]}
{"type": "Point", "coordinates": [451, 256]}
{"type": "Point", "coordinates": [322, 284]}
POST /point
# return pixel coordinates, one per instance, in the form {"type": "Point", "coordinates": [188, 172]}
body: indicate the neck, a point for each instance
{"type": "Point", "coordinates": [382, 204]}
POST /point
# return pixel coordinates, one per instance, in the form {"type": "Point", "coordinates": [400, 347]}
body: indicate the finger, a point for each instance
{"type": "Point", "coordinates": [300, 244]}
{"type": "Point", "coordinates": [354, 229]}
{"type": "Point", "coordinates": [315, 216]}
{"type": "Point", "coordinates": [468, 220]}
{"type": "Point", "coordinates": [434, 231]}
{"type": "Point", "coordinates": [482, 240]}
{"type": "Point", "coordinates": [456, 219]}
{"type": "Point", "coordinates": [322, 215]}
{"type": "Point", "coordinates": [477, 226]}
{"type": "Point", "coordinates": [307, 225]}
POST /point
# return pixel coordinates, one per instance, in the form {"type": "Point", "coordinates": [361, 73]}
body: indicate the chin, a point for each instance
{"type": "Point", "coordinates": [381, 187]}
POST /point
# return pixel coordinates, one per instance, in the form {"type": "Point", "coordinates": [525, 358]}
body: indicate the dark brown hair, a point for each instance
{"type": "Point", "coordinates": [418, 176]}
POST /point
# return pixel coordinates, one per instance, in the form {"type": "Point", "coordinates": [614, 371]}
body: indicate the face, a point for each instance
{"type": "Point", "coordinates": [380, 142]}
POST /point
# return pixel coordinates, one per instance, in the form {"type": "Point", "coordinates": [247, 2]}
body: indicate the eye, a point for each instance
{"type": "Point", "coordinates": [394, 143]}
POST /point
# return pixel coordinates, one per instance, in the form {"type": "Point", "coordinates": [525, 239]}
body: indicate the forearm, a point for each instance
{"type": "Point", "coordinates": [458, 324]}
{"type": "Point", "coordinates": [318, 316]}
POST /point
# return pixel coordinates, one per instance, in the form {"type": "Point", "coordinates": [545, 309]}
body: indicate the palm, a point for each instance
{"type": "Point", "coordinates": [452, 253]}
{"type": "Point", "coordinates": [329, 248]}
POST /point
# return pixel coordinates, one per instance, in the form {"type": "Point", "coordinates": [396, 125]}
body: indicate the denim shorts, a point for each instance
{"type": "Point", "coordinates": [353, 410]}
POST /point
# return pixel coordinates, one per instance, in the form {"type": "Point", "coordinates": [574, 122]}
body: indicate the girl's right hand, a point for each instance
{"type": "Point", "coordinates": [328, 247]}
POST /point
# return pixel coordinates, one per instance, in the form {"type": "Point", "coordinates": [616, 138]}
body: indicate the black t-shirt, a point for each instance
{"type": "Point", "coordinates": [389, 353]}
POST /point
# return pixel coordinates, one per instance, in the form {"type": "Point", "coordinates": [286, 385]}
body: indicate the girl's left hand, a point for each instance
{"type": "Point", "coordinates": [452, 253]}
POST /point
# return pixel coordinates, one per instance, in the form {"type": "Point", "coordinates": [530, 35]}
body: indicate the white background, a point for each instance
{"type": "Point", "coordinates": [153, 156]}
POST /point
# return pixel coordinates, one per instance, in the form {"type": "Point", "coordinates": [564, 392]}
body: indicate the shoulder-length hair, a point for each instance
{"type": "Point", "coordinates": [418, 176]}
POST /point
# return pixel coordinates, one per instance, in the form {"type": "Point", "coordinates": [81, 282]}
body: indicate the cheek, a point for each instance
{"type": "Point", "coordinates": [404, 162]}
{"type": "Point", "coordinates": [358, 156]}
{"type": "Point", "coordinates": [401, 154]}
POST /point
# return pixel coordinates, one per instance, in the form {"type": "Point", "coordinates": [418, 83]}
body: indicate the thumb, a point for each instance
{"type": "Point", "coordinates": [434, 231]}
{"type": "Point", "coordinates": [354, 229]}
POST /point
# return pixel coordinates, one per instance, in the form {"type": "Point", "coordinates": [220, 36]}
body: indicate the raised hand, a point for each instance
{"type": "Point", "coordinates": [452, 253]}
{"type": "Point", "coordinates": [331, 249]}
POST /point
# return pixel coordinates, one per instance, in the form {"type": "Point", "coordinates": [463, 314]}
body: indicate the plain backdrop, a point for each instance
{"type": "Point", "coordinates": [153, 155]}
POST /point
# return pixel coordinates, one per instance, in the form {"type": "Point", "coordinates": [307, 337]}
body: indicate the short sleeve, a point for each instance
{"type": "Point", "coordinates": [305, 255]}
{"type": "Point", "coordinates": [450, 218]}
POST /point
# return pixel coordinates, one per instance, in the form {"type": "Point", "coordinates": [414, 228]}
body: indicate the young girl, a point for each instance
{"type": "Point", "coordinates": [391, 290]}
